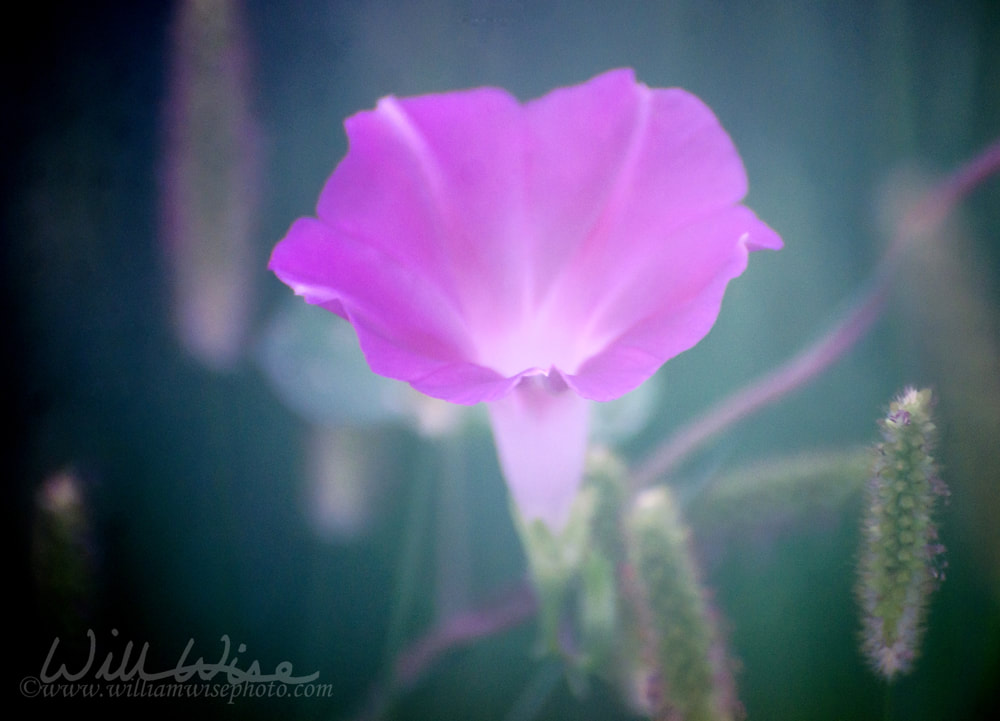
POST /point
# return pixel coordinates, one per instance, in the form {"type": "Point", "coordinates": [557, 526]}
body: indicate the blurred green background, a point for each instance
{"type": "Point", "coordinates": [201, 514]}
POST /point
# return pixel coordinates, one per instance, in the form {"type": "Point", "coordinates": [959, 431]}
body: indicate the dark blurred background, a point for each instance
{"type": "Point", "coordinates": [185, 463]}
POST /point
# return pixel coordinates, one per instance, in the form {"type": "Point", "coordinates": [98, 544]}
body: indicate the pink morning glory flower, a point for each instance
{"type": "Point", "coordinates": [536, 256]}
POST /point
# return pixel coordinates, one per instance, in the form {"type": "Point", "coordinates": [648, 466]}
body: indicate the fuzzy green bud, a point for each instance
{"type": "Point", "coordinates": [687, 676]}
{"type": "Point", "coordinates": [575, 569]}
{"type": "Point", "coordinates": [901, 561]}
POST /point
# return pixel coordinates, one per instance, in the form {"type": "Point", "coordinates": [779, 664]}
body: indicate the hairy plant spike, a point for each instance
{"type": "Point", "coordinates": [690, 679]}
{"type": "Point", "coordinates": [901, 561]}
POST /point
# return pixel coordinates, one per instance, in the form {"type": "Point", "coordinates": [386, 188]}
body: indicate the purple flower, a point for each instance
{"type": "Point", "coordinates": [536, 256]}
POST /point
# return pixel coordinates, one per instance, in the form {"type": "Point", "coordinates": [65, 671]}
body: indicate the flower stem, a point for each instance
{"type": "Point", "coordinates": [768, 388]}
{"type": "Point", "coordinates": [515, 606]}
{"type": "Point", "coordinates": [513, 609]}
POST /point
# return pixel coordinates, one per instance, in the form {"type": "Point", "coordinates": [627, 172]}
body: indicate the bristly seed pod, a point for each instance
{"type": "Point", "coordinates": [689, 676]}
{"type": "Point", "coordinates": [901, 559]}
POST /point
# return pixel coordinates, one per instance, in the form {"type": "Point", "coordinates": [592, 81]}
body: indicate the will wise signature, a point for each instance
{"type": "Point", "coordinates": [125, 669]}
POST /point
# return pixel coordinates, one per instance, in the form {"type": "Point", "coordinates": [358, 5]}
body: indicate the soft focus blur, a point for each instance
{"type": "Point", "coordinates": [276, 503]}
{"type": "Point", "coordinates": [209, 167]}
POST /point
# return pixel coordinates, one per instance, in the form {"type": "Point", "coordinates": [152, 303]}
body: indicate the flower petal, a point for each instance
{"type": "Point", "coordinates": [666, 301]}
{"type": "Point", "coordinates": [541, 438]}
{"type": "Point", "coordinates": [410, 322]}
{"type": "Point", "coordinates": [617, 171]}
{"type": "Point", "coordinates": [611, 155]}
{"type": "Point", "coordinates": [473, 241]}
{"type": "Point", "coordinates": [435, 181]}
